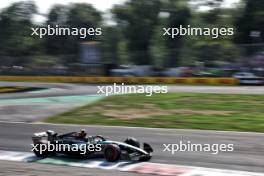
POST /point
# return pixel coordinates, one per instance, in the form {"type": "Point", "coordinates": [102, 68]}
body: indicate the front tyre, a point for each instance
{"type": "Point", "coordinates": [145, 158]}
{"type": "Point", "coordinates": [43, 154]}
{"type": "Point", "coordinates": [112, 153]}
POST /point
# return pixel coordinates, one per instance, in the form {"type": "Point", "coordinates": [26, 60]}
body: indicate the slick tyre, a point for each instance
{"type": "Point", "coordinates": [112, 153]}
{"type": "Point", "coordinates": [145, 158]}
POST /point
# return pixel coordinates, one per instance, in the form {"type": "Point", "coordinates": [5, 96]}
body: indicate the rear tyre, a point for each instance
{"type": "Point", "coordinates": [145, 158]}
{"type": "Point", "coordinates": [112, 153]}
{"type": "Point", "coordinates": [43, 154]}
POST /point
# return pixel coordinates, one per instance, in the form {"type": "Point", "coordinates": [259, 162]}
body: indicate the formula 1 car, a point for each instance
{"type": "Point", "coordinates": [73, 145]}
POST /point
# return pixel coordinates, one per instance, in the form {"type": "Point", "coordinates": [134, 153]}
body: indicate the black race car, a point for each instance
{"type": "Point", "coordinates": [75, 145]}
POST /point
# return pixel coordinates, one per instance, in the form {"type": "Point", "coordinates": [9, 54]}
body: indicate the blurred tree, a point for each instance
{"type": "Point", "coordinates": [55, 45]}
{"type": "Point", "coordinates": [159, 52]}
{"type": "Point", "coordinates": [83, 15]}
{"type": "Point", "coordinates": [58, 15]}
{"type": "Point", "coordinates": [179, 14]}
{"type": "Point", "coordinates": [137, 36]}
{"type": "Point", "coordinates": [211, 10]}
{"type": "Point", "coordinates": [250, 25]}
{"type": "Point", "coordinates": [111, 40]}
{"type": "Point", "coordinates": [138, 19]}
{"type": "Point", "coordinates": [15, 24]}
{"type": "Point", "coordinates": [76, 15]}
{"type": "Point", "coordinates": [43, 61]}
{"type": "Point", "coordinates": [207, 49]}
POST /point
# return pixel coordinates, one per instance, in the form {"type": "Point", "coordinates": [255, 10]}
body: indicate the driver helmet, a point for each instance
{"type": "Point", "coordinates": [83, 133]}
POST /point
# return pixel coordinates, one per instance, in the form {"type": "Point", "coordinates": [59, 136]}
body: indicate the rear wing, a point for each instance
{"type": "Point", "coordinates": [38, 136]}
{"type": "Point", "coordinates": [41, 134]}
{"type": "Point", "coordinates": [49, 135]}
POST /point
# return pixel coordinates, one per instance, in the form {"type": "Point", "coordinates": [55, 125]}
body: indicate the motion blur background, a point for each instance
{"type": "Point", "coordinates": [133, 50]}
{"type": "Point", "coordinates": [132, 43]}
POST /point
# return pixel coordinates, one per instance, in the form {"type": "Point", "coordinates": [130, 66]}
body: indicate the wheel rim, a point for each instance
{"type": "Point", "coordinates": [110, 154]}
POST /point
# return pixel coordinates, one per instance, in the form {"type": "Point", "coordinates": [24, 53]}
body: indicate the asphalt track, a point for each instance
{"type": "Point", "coordinates": [8, 168]}
{"type": "Point", "coordinates": [38, 105]}
{"type": "Point", "coordinates": [247, 156]}
{"type": "Point", "coordinates": [64, 89]}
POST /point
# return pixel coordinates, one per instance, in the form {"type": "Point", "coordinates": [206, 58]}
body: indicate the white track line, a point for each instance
{"type": "Point", "coordinates": [16, 156]}
{"type": "Point", "coordinates": [141, 168]}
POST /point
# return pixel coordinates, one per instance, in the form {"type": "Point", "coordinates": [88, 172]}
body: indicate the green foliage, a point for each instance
{"type": "Point", "coordinates": [251, 20]}
{"type": "Point", "coordinates": [42, 62]}
{"type": "Point", "coordinates": [179, 14]}
{"type": "Point", "coordinates": [207, 49]}
{"type": "Point", "coordinates": [15, 22]}
{"type": "Point", "coordinates": [174, 110]}
{"type": "Point", "coordinates": [138, 19]}
{"type": "Point", "coordinates": [111, 39]}
{"type": "Point", "coordinates": [76, 15]}
{"type": "Point", "coordinates": [58, 15]}
{"type": "Point", "coordinates": [136, 36]}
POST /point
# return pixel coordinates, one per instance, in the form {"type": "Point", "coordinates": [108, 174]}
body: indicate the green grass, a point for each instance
{"type": "Point", "coordinates": [173, 110]}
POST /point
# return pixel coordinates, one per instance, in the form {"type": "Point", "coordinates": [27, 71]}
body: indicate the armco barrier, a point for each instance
{"type": "Point", "coordinates": [128, 80]}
